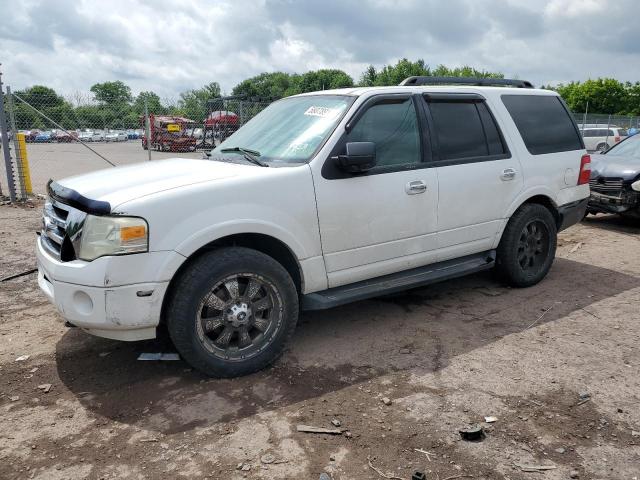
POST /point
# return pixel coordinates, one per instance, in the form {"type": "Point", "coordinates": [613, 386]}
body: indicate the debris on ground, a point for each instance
{"type": "Point", "coordinates": [387, 401]}
{"type": "Point", "coordinates": [267, 459]}
{"type": "Point", "coordinates": [635, 434]}
{"type": "Point", "coordinates": [574, 474]}
{"type": "Point", "coordinates": [428, 454]}
{"type": "Point", "coordinates": [14, 399]}
{"type": "Point", "coordinates": [381, 473]}
{"type": "Point", "coordinates": [324, 476]}
{"type": "Point", "coordinates": [335, 422]}
{"type": "Point", "coordinates": [490, 419]}
{"type": "Point", "coordinates": [246, 467]}
{"type": "Point", "coordinates": [418, 476]}
{"type": "Point", "coordinates": [311, 429]}
{"type": "Point", "coordinates": [33, 370]}
{"type": "Point", "coordinates": [159, 356]}
{"type": "Point", "coordinates": [560, 450]}
{"type": "Point", "coordinates": [584, 397]}
{"type": "Point", "coordinates": [45, 387]}
{"type": "Point", "coordinates": [576, 247]}
{"type": "Point", "coordinates": [22, 358]}
{"type": "Point", "coordinates": [533, 468]}
{"type": "Point", "coordinates": [104, 354]}
{"type": "Point", "coordinates": [472, 433]}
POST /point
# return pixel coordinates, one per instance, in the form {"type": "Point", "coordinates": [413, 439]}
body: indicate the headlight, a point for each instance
{"type": "Point", "coordinates": [113, 236]}
{"type": "Point", "coordinates": [636, 186]}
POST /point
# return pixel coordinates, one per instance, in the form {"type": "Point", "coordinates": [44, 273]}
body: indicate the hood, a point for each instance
{"type": "Point", "coordinates": [124, 183]}
{"type": "Point", "coordinates": [615, 166]}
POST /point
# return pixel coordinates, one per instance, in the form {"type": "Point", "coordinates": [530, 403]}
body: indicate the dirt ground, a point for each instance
{"type": "Point", "coordinates": [557, 364]}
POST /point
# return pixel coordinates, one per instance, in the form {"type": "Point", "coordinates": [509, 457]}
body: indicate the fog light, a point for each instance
{"type": "Point", "coordinates": [82, 303]}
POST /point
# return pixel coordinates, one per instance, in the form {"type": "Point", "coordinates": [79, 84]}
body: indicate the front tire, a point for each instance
{"type": "Point", "coordinates": [232, 311]}
{"type": "Point", "coordinates": [528, 246]}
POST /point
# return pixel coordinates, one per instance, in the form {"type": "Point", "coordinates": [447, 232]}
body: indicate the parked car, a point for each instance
{"type": "Point", "coordinates": [44, 137]}
{"type": "Point", "coordinates": [132, 135]}
{"type": "Point", "coordinates": [598, 139]}
{"type": "Point", "coordinates": [116, 137]}
{"type": "Point", "coordinates": [376, 191]}
{"type": "Point", "coordinates": [85, 136]}
{"type": "Point", "coordinates": [65, 137]}
{"type": "Point", "coordinates": [615, 180]}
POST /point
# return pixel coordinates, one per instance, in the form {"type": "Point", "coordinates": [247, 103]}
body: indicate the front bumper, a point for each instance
{"type": "Point", "coordinates": [622, 202]}
{"type": "Point", "coordinates": [122, 312]}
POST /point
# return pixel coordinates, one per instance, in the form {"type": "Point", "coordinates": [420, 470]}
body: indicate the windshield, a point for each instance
{"type": "Point", "coordinates": [629, 147]}
{"type": "Point", "coordinates": [290, 130]}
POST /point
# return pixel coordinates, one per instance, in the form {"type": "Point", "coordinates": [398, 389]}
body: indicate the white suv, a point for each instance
{"type": "Point", "coordinates": [322, 199]}
{"type": "Point", "coordinates": [601, 139]}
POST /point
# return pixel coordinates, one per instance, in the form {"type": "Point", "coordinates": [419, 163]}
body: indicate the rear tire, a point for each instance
{"type": "Point", "coordinates": [602, 147]}
{"type": "Point", "coordinates": [232, 311]}
{"type": "Point", "coordinates": [528, 246]}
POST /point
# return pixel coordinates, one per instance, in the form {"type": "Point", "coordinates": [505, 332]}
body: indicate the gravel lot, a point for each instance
{"type": "Point", "coordinates": [60, 160]}
{"type": "Point", "coordinates": [445, 356]}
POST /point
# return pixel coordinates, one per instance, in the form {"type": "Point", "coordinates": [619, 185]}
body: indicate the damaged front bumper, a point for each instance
{"type": "Point", "coordinates": [625, 201]}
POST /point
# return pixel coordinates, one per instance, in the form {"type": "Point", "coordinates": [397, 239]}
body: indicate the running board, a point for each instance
{"type": "Point", "coordinates": [396, 282]}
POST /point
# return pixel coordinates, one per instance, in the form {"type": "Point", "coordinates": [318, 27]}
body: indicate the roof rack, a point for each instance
{"type": "Point", "coordinates": [478, 82]}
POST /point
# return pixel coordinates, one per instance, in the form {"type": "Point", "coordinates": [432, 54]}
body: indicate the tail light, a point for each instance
{"type": "Point", "coordinates": [585, 170]}
{"type": "Point", "coordinates": [616, 139]}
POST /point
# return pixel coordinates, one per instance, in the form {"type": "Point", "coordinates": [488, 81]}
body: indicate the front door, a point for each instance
{"type": "Point", "coordinates": [382, 221]}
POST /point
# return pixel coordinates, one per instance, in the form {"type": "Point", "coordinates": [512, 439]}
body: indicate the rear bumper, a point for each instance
{"type": "Point", "coordinates": [572, 213]}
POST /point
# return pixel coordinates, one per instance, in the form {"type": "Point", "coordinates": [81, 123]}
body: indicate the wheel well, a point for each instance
{"type": "Point", "coordinates": [257, 241]}
{"type": "Point", "coordinates": [548, 203]}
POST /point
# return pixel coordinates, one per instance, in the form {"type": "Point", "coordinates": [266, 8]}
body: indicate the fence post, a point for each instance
{"type": "Point", "coordinates": [584, 118]}
{"type": "Point", "coordinates": [20, 163]}
{"type": "Point", "coordinates": [4, 132]}
{"type": "Point", "coordinates": [147, 127]}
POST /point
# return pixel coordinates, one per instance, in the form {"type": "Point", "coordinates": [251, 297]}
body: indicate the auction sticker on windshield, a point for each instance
{"type": "Point", "coordinates": [323, 112]}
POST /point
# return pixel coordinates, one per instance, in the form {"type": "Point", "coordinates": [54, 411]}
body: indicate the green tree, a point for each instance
{"type": "Point", "coordinates": [394, 74]}
{"type": "Point", "coordinates": [266, 86]}
{"type": "Point", "coordinates": [368, 77]}
{"type": "Point", "coordinates": [112, 93]}
{"type": "Point", "coordinates": [193, 103]}
{"type": "Point", "coordinates": [603, 95]}
{"type": "Point", "coordinates": [154, 104]}
{"type": "Point", "coordinates": [325, 79]}
{"type": "Point", "coordinates": [40, 96]}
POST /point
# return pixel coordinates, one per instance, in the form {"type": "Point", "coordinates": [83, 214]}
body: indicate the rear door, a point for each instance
{"type": "Point", "coordinates": [478, 177]}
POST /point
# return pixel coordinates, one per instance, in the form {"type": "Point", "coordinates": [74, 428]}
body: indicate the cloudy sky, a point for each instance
{"type": "Point", "coordinates": [169, 46]}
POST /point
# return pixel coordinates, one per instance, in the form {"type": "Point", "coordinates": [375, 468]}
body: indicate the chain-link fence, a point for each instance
{"type": "Point", "coordinates": [67, 136]}
{"type": "Point", "coordinates": [52, 136]}
{"type": "Point", "coordinates": [604, 121]}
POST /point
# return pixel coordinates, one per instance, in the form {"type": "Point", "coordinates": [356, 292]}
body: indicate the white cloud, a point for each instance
{"type": "Point", "coordinates": [169, 46]}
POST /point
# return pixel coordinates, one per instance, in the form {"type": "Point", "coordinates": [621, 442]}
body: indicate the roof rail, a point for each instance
{"type": "Point", "coordinates": [479, 82]}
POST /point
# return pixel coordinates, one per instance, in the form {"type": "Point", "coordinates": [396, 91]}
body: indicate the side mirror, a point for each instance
{"type": "Point", "coordinates": [360, 157]}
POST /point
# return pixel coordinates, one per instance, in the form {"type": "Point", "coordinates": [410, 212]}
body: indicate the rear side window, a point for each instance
{"type": "Point", "coordinates": [622, 132]}
{"type": "Point", "coordinates": [465, 130]}
{"type": "Point", "coordinates": [544, 123]}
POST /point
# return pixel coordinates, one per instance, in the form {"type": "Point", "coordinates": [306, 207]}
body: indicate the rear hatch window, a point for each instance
{"type": "Point", "coordinates": [544, 123]}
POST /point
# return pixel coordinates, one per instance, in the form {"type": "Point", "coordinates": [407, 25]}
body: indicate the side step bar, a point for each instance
{"type": "Point", "coordinates": [396, 282]}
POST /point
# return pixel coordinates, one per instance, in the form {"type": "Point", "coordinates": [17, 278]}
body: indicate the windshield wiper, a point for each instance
{"type": "Point", "coordinates": [250, 155]}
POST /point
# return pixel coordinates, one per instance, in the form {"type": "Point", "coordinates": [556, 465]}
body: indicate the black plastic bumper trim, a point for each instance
{"type": "Point", "coordinates": [572, 213]}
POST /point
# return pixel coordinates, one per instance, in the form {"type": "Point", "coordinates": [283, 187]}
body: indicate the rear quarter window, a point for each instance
{"type": "Point", "coordinates": [544, 123]}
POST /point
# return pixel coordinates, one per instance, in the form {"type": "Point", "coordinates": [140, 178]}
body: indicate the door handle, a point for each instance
{"type": "Point", "coordinates": [508, 174]}
{"type": "Point", "coordinates": [415, 187]}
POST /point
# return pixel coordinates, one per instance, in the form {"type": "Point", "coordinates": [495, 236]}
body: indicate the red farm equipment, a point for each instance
{"type": "Point", "coordinates": [170, 133]}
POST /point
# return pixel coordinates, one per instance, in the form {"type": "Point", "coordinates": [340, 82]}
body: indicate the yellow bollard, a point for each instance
{"type": "Point", "coordinates": [24, 162]}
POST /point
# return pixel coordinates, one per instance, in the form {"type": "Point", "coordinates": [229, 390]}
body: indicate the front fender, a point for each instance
{"type": "Point", "coordinates": [241, 226]}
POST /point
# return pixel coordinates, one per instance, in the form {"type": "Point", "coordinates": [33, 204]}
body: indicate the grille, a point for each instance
{"type": "Point", "coordinates": [606, 185]}
{"type": "Point", "coordinates": [54, 229]}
